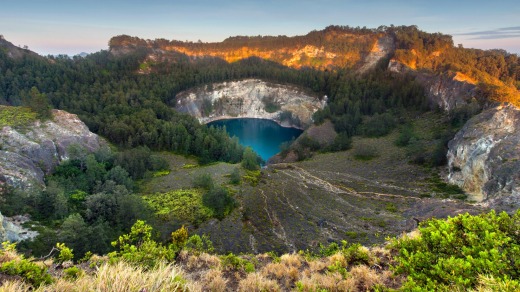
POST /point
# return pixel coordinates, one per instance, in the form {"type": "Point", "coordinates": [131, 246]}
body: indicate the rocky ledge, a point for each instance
{"type": "Point", "coordinates": [252, 98]}
{"type": "Point", "coordinates": [28, 153]}
{"type": "Point", "coordinates": [484, 158]}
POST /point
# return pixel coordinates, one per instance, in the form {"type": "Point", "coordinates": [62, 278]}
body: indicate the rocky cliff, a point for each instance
{"type": "Point", "coordinates": [28, 153]}
{"type": "Point", "coordinates": [11, 229]}
{"type": "Point", "coordinates": [252, 98]}
{"type": "Point", "coordinates": [448, 91]}
{"type": "Point", "coordinates": [484, 157]}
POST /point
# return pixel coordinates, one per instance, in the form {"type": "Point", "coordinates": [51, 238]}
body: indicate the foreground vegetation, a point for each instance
{"type": "Point", "coordinates": [463, 253]}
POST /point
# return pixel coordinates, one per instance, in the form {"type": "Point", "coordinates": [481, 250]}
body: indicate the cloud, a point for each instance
{"type": "Point", "coordinates": [499, 33]}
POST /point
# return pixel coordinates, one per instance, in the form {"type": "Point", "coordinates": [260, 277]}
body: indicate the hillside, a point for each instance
{"type": "Point", "coordinates": [392, 116]}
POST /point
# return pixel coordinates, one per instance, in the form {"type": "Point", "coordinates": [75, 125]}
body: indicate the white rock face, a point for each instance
{"type": "Point", "coordinates": [248, 99]}
{"type": "Point", "coordinates": [27, 154]}
{"type": "Point", "coordinates": [11, 229]}
{"type": "Point", "coordinates": [484, 157]}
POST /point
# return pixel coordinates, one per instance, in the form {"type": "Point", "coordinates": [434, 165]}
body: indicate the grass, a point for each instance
{"type": "Point", "coordinates": [161, 173]}
{"type": "Point", "coordinates": [16, 116]}
{"type": "Point", "coordinates": [252, 177]}
{"type": "Point", "coordinates": [183, 205]}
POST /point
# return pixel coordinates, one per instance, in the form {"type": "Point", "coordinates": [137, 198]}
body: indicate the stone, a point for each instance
{"type": "Point", "coordinates": [29, 153]}
{"type": "Point", "coordinates": [246, 99]}
{"type": "Point", "coordinates": [484, 158]}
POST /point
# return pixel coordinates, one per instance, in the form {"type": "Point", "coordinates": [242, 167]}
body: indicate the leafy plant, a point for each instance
{"type": "Point", "coordinates": [456, 251]}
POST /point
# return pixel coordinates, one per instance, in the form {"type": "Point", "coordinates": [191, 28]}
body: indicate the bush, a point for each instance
{"type": "Point", "coordinates": [250, 160]}
{"type": "Point", "coordinates": [455, 252]}
{"type": "Point", "coordinates": [72, 272]}
{"type": "Point", "coordinates": [365, 151]}
{"type": "Point", "coordinates": [308, 142]}
{"type": "Point", "coordinates": [234, 177]}
{"type": "Point", "coordinates": [341, 142]}
{"type": "Point", "coordinates": [30, 272]}
{"type": "Point", "coordinates": [405, 135]}
{"type": "Point", "coordinates": [219, 200]}
{"type": "Point", "coordinates": [204, 181]}
{"type": "Point", "coordinates": [378, 125]}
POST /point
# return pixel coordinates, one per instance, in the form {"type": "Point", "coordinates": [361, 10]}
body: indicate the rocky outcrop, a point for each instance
{"type": "Point", "coordinates": [447, 91]}
{"type": "Point", "coordinates": [28, 153]}
{"type": "Point", "coordinates": [252, 98]}
{"type": "Point", "coordinates": [11, 229]}
{"type": "Point", "coordinates": [484, 157]}
{"type": "Point", "coordinates": [382, 48]}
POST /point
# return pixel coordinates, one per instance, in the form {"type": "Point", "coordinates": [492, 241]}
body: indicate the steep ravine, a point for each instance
{"type": "Point", "coordinates": [252, 98]}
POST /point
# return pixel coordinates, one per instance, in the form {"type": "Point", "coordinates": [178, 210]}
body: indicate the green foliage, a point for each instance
{"type": "Point", "coordinates": [405, 135]}
{"type": "Point", "coordinates": [307, 142]}
{"type": "Point", "coordinates": [181, 205]}
{"type": "Point", "coordinates": [253, 177]}
{"type": "Point", "coordinates": [219, 200]}
{"type": "Point", "coordinates": [203, 180]}
{"type": "Point", "coordinates": [39, 103]}
{"type": "Point", "coordinates": [161, 173]}
{"type": "Point", "coordinates": [250, 160]}
{"type": "Point", "coordinates": [29, 271]}
{"type": "Point", "coordinates": [365, 151]}
{"type": "Point", "coordinates": [378, 125]}
{"type": "Point", "coordinates": [271, 106]}
{"type": "Point", "coordinates": [65, 253]}
{"type": "Point", "coordinates": [456, 251]}
{"type": "Point", "coordinates": [391, 207]}
{"type": "Point", "coordinates": [341, 142]}
{"type": "Point", "coordinates": [199, 244]}
{"type": "Point", "coordinates": [72, 273]}
{"type": "Point", "coordinates": [137, 247]}
{"type": "Point", "coordinates": [16, 116]}
{"type": "Point", "coordinates": [231, 261]}
{"type": "Point", "coordinates": [180, 237]}
{"type": "Point", "coordinates": [234, 176]}
{"type": "Point", "coordinates": [446, 190]}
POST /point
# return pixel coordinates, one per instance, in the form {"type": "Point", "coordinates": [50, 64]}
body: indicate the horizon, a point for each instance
{"type": "Point", "coordinates": [64, 28]}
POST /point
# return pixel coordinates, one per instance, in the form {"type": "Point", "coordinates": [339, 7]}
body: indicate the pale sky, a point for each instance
{"type": "Point", "coordinates": [72, 27]}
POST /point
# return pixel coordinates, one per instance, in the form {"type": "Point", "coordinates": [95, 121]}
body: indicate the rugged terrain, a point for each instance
{"type": "Point", "coordinates": [328, 198]}
{"type": "Point", "coordinates": [484, 157]}
{"type": "Point", "coordinates": [31, 151]}
{"type": "Point", "coordinates": [251, 98]}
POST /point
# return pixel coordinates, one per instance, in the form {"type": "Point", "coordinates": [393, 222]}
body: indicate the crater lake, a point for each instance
{"type": "Point", "coordinates": [264, 136]}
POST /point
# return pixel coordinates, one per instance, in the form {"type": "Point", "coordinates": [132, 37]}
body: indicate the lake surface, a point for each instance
{"type": "Point", "coordinates": [264, 136]}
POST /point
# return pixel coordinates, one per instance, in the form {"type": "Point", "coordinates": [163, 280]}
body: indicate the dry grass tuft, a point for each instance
{"type": "Point", "coordinates": [329, 282]}
{"type": "Point", "coordinates": [255, 282]}
{"type": "Point", "coordinates": [202, 261]}
{"type": "Point", "coordinates": [214, 281]}
{"type": "Point", "coordinates": [337, 258]}
{"type": "Point", "coordinates": [316, 266]}
{"type": "Point", "coordinates": [365, 278]}
{"type": "Point", "coordinates": [15, 286]}
{"type": "Point", "coordinates": [291, 260]}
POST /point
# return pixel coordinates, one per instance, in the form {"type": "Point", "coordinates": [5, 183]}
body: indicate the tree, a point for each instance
{"type": "Point", "coordinates": [234, 177]}
{"type": "Point", "coordinates": [39, 103]}
{"type": "Point", "coordinates": [250, 159]}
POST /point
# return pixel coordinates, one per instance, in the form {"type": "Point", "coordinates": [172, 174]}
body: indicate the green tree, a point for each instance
{"type": "Point", "coordinates": [39, 103]}
{"type": "Point", "coordinates": [250, 159]}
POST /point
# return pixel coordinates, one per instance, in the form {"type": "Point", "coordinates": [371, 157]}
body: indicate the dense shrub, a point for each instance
{"type": "Point", "coordinates": [456, 251]}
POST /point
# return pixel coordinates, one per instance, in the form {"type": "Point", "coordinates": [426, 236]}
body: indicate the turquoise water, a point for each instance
{"type": "Point", "coordinates": [264, 136]}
